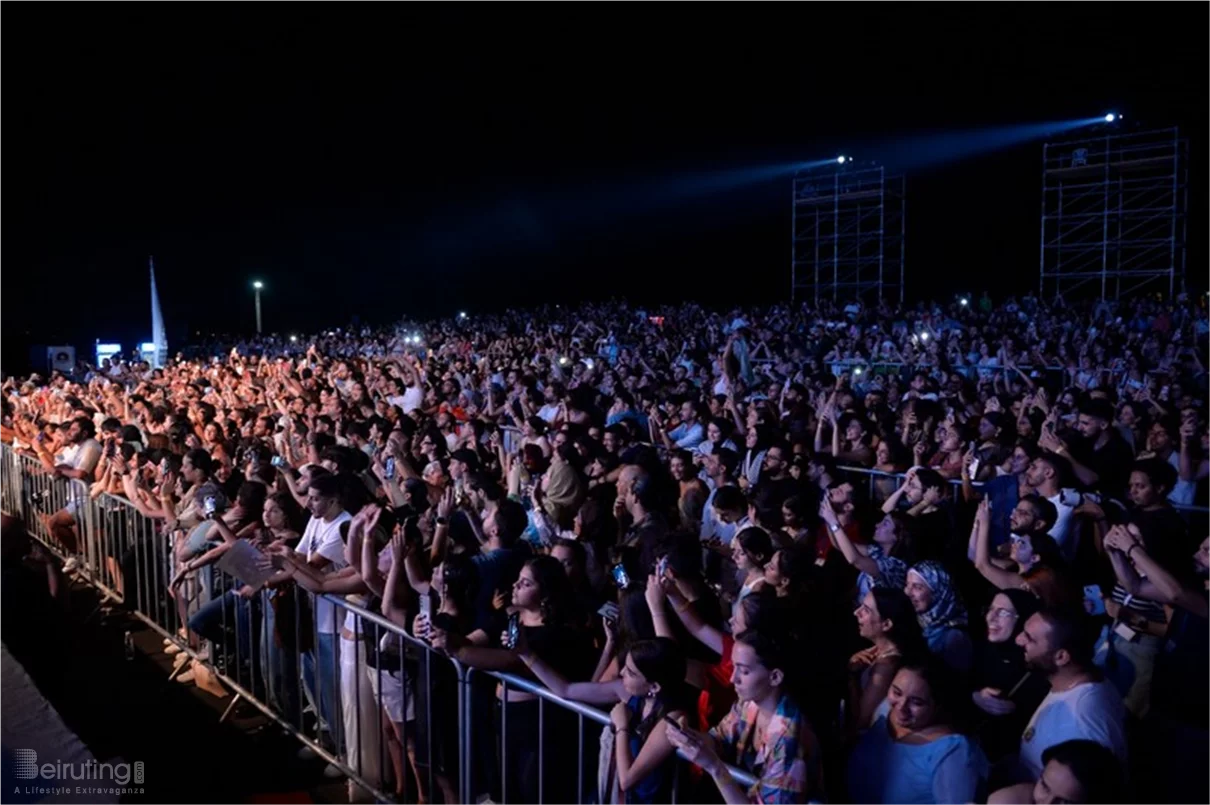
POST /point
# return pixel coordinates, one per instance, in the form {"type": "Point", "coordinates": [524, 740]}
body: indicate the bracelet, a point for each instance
{"type": "Point", "coordinates": [1130, 550]}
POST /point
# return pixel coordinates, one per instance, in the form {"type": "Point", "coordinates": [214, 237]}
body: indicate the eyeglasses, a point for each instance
{"type": "Point", "coordinates": [1000, 613]}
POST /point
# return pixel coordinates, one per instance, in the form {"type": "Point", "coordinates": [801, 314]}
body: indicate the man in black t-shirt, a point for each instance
{"type": "Point", "coordinates": [1099, 456]}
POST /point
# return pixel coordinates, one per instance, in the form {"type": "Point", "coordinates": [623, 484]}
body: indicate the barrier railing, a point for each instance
{"type": "Point", "coordinates": [320, 684]}
{"type": "Point", "coordinates": [1196, 516]}
{"type": "Point", "coordinates": [881, 485]}
{"type": "Point", "coordinates": [584, 741]}
{"type": "Point", "coordinates": [354, 687]}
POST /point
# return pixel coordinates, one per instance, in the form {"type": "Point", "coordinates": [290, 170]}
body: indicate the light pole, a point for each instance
{"type": "Point", "coordinates": [257, 285]}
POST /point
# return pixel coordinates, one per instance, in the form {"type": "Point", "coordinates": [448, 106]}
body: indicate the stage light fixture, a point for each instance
{"type": "Point", "coordinates": [1109, 118]}
{"type": "Point", "coordinates": [841, 160]}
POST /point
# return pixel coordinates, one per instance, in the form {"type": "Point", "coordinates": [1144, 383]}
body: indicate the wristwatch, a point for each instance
{"type": "Point", "coordinates": [443, 521]}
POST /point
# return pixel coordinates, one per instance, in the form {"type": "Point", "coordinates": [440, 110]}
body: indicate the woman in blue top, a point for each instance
{"type": "Point", "coordinates": [941, 614]}
{"type": "Point", "coordinates": [651, 686]}
{"type": "Point", "coordinates": [913, 752]}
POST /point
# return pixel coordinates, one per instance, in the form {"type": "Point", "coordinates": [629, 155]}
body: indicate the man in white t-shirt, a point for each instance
{"type": "Point", "coordinates": [549, 412]}
{"type": "Point", "coordinates": [1081, 704]}
{"type": "Point", "coordinates": [77, 461]}
{"type": "Point", "coordinates": [1044, 474]}
{"type": "Point", "coordinates": [394, 394]}
{"type": "Point", "coordinates": [413, 392]}
{"type": "Point", "coordinates": [323, 546]}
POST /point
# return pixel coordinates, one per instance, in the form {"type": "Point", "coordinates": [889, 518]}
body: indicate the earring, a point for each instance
{"type": "Point", "coordinates": [651, 694]}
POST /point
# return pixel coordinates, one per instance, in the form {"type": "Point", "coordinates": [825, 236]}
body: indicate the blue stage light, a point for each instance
{"type": "Point", "coordinates": [1109, 118]}
{"type": "Point", "coordinates": [841, 160]}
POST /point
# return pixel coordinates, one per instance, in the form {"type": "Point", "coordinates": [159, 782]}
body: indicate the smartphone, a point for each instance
{"type": "Point", "coordinates": [620, 577]}
{"type": "Point", "coordinates": [389, 468]}
{"type": "Point", "coordinates": [610, 611]}
{"type": "Point", "coordinates": [514, 630]}
{"type": "Point", "coordinates": [426, 607]}
{"type": "Point", "coordinates": [1094, 599]}
{"type": "Point", "coordinates": [278, 461]}
{"type": "Point", "coordinates": [208, 506]}
{"type": "Point", "coordinates": [1013, 691]}
{"type": "Point", "coordinates": [661, 567]}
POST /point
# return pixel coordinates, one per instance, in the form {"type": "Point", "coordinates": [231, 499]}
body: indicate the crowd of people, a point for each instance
{"type": "Point", "coordinates": [943, 553]}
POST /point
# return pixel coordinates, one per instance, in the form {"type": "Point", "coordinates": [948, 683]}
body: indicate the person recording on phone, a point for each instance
{"type": "Point", "coordinates": [1032, 548]}
{"type": "Point", "coordinates": [648, 696]}
{"type": "Point", "coordinates": [537, 618]}
{"type": "Point", "coordinates": [1128, 647]}
{"type": "Point", "coordinates": [446, 604]}
{"type": "Point", "coordinates": [1177, 725]}
{"type": "Point", "coordinates": [1098, 454]}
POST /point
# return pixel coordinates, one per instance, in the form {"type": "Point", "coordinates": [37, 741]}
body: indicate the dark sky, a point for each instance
{"type": "Point", "coordinates": [376, 159]}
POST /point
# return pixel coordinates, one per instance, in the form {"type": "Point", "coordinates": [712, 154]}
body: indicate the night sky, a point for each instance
{"type": "Point", "coordinates": [381, 159]}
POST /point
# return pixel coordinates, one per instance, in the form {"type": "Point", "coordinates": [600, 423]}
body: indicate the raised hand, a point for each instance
{"type": "Point", "coordinates": [932, 496]}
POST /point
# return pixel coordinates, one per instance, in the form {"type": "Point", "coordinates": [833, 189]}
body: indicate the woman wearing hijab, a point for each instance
{"type": "Point", "coordinates": [1005, 691]}
{"type": "Point", "coordinates": [940, 613]}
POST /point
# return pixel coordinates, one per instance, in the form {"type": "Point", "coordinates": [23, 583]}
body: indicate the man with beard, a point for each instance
{"type": "Point", "coordinates": [1175, 731]}
{"type": "Point", "coordinates": [1045, 475]}
{"type": "Point", "coordinates": [1081, 704]}
{"type": "Point", "coordinates": [1100, 458]}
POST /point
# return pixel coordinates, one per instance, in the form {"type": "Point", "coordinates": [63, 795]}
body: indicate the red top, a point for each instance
{"type": "Point", "coordinates": [717, 697]}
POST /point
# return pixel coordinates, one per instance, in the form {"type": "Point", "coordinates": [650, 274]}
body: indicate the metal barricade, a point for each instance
{"type": "Point", "coordinates": [584, 716]}
{"type": "Point", "coordinates": [1198, 517]}
{"type": "Point", "coordinates": [35, 494]}
{"type": "Point", "coordinates": [334, 693]}
{"type": "Point", "coordinates": [345, 681]}
{"type": "Point", "coordinates": [881, 485]}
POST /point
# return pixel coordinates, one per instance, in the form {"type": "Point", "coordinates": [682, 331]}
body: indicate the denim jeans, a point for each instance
{"type": "Point", "coordinates": [321, 676]}
{"type": "Point", "coordinates": [227, 612]}
{"type": "Point", "coordinates": [1129, 665]}
{"type": "Point", "coordinates": [279, 666]}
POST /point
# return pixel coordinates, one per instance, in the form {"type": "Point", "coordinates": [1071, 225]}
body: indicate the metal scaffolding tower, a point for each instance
{"type": "Point", "coordinates": [1114, 212]}
{"type": "Point", "coordinates": [848, 228]}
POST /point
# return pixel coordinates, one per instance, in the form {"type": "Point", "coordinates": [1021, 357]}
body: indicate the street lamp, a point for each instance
{"type": "Point", "coordinates": [257, 285]}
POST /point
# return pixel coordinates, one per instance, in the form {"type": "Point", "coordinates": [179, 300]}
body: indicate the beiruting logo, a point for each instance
{"type": "Point", "coordinates": [25, 767]}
